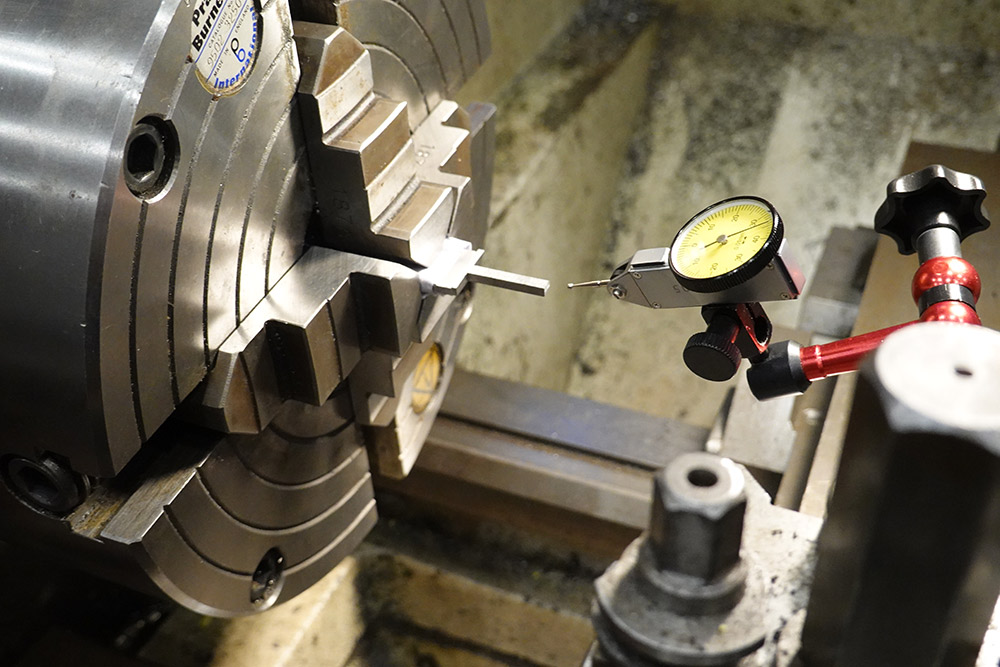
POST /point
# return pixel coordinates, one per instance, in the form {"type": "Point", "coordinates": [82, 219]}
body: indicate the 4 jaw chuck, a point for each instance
{"type": "Point", "coordinates": [237, 247]}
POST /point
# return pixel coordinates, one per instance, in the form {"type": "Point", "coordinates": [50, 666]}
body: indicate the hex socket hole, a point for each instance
{"type": "Point", "coordinates": [268, 578]}
{"type": "Point", "coordinates": [702, 477]}
{"type": "Point", "coordinates": [45, 485]}
{"type": "Point", "coordinates": [762, 327]}
{"type": "Point", "coordinates": [150, 156]}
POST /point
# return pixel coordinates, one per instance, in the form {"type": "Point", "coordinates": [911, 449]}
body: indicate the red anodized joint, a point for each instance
{"type": "Point", "coordinates": [946, 271]}
{"type": "Point", "coordinates": [951, 311]}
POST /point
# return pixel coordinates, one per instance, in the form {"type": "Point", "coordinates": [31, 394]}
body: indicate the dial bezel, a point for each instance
{"type": "Point", "coordinates": [745, 271]}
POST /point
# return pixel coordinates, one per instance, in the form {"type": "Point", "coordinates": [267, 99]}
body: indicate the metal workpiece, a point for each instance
{"type": "Point", "coordinates": [457, 268]}
{"type": "Point", "coordinates": [682, 594]}
{"type": "Point", "coordinates": [908, 557]}
{"type": "Point", "coordinates": [935, 197]}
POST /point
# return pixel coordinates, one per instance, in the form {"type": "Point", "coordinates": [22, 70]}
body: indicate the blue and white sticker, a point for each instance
{"type": "Point", "coordinates": [225, 38]}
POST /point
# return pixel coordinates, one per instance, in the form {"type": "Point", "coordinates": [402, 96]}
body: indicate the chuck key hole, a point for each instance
{"type": "Point", "coordinates": [703, 477]}
{"type": "Point", "coordinates": [151, 153]}
{"type": "Point", "coordinates": [37, 486]}
{"type": "Point", "coordinates": [141, 158]}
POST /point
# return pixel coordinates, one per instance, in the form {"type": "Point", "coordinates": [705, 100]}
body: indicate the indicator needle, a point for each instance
{"type": "Point", "coordinates": [723, 238]}
{"type": "Point", "coordinates": [589, 283]}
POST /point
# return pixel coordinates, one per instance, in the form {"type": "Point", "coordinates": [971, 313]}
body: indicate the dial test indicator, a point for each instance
{"type": "Point", "coordinates": [725, 241]}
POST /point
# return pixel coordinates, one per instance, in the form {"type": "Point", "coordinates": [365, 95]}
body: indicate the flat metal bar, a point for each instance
{"type": "Point", "coordinates": [539, 473]}
{"type": "Point", "coordinates": [589, 427]}
{"type": "Point", "coordinates": [507, 280]}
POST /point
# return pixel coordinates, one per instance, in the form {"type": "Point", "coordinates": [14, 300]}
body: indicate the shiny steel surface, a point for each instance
{"type": "Point", "coordinates": [938, 242]}
{"type": "Point", "coordinates": [205, 388]}
{"type": "Point", "coordinates": [137, 294]}
{"type": "Point", "coordinates": [60, 125]}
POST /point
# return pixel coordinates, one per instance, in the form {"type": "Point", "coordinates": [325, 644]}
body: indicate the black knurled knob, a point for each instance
{"type": "Point", "coordinates": [935, 196]}
{"type": "Point", "coordinates": [712, 356]}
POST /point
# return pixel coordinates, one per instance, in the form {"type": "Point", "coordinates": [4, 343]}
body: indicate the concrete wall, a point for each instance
{"type": "Point", "coordinates": [966, 24]}
{"type": "Point", "coordinates": [563, 132]}
{"type": "Point", "coordinates": [520, 29]}
{"type": "Point", "coordinates": [809, 104]}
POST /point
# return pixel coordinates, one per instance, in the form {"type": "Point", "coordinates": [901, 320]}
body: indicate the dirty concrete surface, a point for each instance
{"type": "Point", "coordinates": [809, 112]}
{"type": "Point", "coordinates": [562, 135]}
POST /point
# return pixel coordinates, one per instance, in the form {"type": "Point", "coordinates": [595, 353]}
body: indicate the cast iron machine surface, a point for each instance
{"type": "Point", "coordinates": [237, 244]}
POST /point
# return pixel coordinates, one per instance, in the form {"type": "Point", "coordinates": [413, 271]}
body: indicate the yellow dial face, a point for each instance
{"type": "Point", "coordinates": [721, 239]}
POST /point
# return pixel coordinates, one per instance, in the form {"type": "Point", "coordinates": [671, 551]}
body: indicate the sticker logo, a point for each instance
{"type": "Point", "coordinates": [225, 38]}
{"type": "Point", "coordinates": [427, 378]}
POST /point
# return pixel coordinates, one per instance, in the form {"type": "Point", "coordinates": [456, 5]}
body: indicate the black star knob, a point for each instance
{"type": "Point", "coordinates": [935, 196]}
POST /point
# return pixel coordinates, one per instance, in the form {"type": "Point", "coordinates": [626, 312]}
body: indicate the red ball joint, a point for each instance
{"type": "Point", "coordinates": [951, 311]}
{"type": "Point", "coordinates": [946, 271]}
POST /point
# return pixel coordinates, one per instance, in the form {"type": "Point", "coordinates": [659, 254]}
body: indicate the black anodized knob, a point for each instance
{"type": "Point", "coordinates": [935, 196]}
